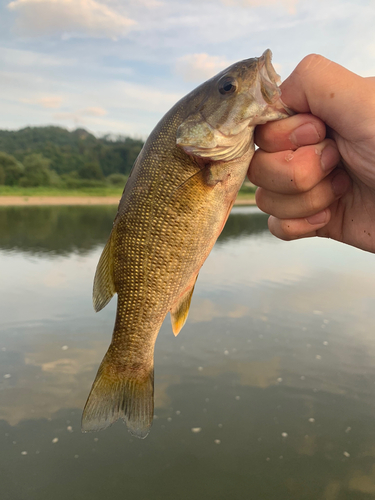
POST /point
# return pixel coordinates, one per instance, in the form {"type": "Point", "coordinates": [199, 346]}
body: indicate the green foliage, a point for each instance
{"type": "Point", "coordinates": [69, 152]}
{"type": "Point", "coordinates": [117, 180]}
{"type": "Point", "coordinates": [11, 170]}
{"type": "Point", "coordinates": [37, 172]}
{"type": "Point", "coordinates": [91, 170]}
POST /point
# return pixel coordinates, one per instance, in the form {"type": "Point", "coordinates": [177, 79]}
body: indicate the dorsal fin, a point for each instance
{"type": "Point", "coordinates": [104, 287]}
{"type": "Point", "coordinates": [180, 310]}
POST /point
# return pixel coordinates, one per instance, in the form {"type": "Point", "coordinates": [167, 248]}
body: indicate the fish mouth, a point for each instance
{"type": "Point", "coordinates": [270, 83]}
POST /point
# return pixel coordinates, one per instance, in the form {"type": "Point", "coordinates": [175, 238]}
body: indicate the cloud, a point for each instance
{"type": "Point", "coordinates": [53, 102]}
{"type": "Point", "coordinates": [68, 17]}
{"type": "Point", "coordinates": [79, 116]}
{"type": "Point", "coordinates": [198, 67]}
{"type": "Point", "coordinates": [290, 5]}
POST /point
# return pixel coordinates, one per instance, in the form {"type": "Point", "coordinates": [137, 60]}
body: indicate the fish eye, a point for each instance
{"type": "Point", "coordinates": [227, 85]}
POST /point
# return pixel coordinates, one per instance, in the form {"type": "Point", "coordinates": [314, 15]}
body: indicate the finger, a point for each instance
{"type": "Point", "coordinates": [294, 206]}
{"type": "Point", "coordinates": [292, 229]}
{"type": "Point", "coordinates": [291, 133]}
{"type": "Point", "coordinates": [325, 89]}
{"type": "Point", "coordinates": [290, 172]}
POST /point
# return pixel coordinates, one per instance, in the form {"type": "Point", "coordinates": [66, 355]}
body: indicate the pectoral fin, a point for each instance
{"type": "Point", "coordinates": [104, 287]}
{"type": "Point", "coordinates": [180, 310]}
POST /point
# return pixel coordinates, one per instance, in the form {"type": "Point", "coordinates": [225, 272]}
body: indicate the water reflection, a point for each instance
{"type": "Point", "coordinates": [60, 230]}
{"type": "Point", "coordinates": [275, 366]}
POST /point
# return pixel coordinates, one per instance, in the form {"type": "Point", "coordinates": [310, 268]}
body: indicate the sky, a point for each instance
{"type": "Point", "coordinates": [116, 66]}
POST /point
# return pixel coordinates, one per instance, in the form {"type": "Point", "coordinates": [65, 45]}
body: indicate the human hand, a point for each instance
{"type": "Point", "coordinates": [301, 183]}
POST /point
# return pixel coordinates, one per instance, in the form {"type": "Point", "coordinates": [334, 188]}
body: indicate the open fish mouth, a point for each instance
{"type": "Point", "coordinates": [270, 83]}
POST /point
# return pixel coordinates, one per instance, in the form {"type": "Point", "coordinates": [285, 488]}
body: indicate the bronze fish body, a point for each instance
{"type": "Point", "coordinates": [174, 206]}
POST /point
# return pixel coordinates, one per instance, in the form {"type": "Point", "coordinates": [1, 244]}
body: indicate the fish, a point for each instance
{"type": "Point", "coordinates": [174, 206]}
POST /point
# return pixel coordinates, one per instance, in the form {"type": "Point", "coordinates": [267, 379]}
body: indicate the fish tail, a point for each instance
{"type": "Point", "coordinates": [123, 392]}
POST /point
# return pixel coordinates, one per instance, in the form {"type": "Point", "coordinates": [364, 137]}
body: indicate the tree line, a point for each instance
{"type": "Point", "coordinates": [55, 157]}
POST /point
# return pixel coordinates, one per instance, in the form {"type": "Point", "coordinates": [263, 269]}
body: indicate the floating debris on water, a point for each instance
{"type": "Point", "coordinates": [302, 377]}
{"type": "Point", "coordinates": [346, 454]}
{"type": "Point", "coordinates": [200, 368]}
{"type": "Point", "coordinates": [217, 441]}
{"type": "Point", "coordinates": [3, 349]}
{"type": "Point", "coordinates": [318, 356]}
{"type": "Point", "coordinates": [7, 375]}
{"type": "Point", "coordinates": [76, 456]}
{"type": "Point", "coordinates": [284, 434]}
{"type": "Point", "coordinates": [23, 452]}
{"type": "Point", "coordinates": [169, 419]}
{"type": "Point", "coordinates": [226, 352]}
{"type": "Point", "coordinates": [279, 380]}
{"type": "Point", "coordinates": [220, 425]}
{"type": "Point", "coordinates": [96, 440]}
{"type": "Point", "coordinates": [268, 459]}
{"type": "Point", "coordinates": [178, 412]}
{"type": "Point", "coordinates": [325, 343]}
{"type": "Point", "coordinates": [348, 429]}
{"type": "Point", "coordinates": [55, 440]}
{"type": "Point", "coordinates": [237, 397]}
{"type": "Point", "coordinates": [312, 420]}
{"type": "Point", "coordinates": [69, 428]}
{"type": "Point", "coordinates": [318, 313]}
{"type": "Point", "coordinates": [64, 348]}
{"type": "Point", "coordinates": [196, 429]}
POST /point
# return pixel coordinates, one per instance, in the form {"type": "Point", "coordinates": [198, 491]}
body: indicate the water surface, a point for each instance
{"type": "Point", "coordinates": [268, 392]}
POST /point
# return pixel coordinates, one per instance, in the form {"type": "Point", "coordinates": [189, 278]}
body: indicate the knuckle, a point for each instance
{"type": "Point", "coordinates": [302, 180]}
{"type": "Point", "coordinates": [313, 203]}
{"type": "Point", "coordinates": [311, 62]}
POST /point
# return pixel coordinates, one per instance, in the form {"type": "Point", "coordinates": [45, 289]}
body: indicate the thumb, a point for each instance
{"type": "Point", "coordinates": [328, 91]}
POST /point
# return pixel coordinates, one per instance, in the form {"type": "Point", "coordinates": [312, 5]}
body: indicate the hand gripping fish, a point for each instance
{"type": "Point", "coordinates": [174, 206]}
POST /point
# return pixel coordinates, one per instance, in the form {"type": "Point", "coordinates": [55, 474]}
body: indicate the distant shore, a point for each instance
{"type": "Point", "coordinates": [12, 201]}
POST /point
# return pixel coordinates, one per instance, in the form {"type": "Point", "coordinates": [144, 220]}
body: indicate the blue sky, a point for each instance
{"type": "Point", "coordinates": [115, 66]}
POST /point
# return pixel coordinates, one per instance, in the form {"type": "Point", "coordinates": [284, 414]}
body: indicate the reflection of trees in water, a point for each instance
{"type": "Point", "coordinates": [239, 225]}
{"type": "Point", "coordinates": [63, 229]}
{"type": "Point", "coordinates": [58, 230]}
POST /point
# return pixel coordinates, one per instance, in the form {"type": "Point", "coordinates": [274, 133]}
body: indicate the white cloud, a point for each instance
{"type": "Point", "coordinates": [199, 67]}
{"type": "Point", "coordinates": [290, 5]}
{"type": "Point", "coordinates": [53, 102]}
{"type": "Point", "coordinates": [80, 115]}
{"type": "Point", "coordinates": [73, 17]}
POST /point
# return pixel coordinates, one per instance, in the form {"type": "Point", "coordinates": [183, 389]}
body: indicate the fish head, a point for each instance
{"type": "Point", "coordinates": [233, 102]}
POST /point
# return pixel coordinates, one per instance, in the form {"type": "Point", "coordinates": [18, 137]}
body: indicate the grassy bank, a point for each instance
{"type": "Point", "coordinates": [50, 191]}
{"type": "Point", "coordinates": [49, 195]}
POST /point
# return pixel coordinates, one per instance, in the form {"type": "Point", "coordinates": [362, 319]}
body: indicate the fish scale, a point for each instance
{"type": "Point", "coordinates": [174, 206]}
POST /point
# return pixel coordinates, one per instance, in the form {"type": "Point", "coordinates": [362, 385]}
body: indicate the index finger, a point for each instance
{"type": "Point", "coordinates": [290, 133]}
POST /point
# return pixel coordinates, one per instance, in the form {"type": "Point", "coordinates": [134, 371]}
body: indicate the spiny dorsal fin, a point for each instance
{"type": "Point", "coordinates": [104, 287]}
{"type": "Point", "coordinates": [180, 310]}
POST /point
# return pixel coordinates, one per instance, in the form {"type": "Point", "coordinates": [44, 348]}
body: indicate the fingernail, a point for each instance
{"type": "Point", "coordinates": [304, 135]}
{"type": "Point", "coordinates": [340, 183]}
{"type": "Point", "coordinates": [329, 158]}
{"type": "Point", "coordinates": [319, 218]}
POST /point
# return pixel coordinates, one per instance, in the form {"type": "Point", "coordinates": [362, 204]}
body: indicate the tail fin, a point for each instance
{"type": "Point", "coordinates": [128, 394]}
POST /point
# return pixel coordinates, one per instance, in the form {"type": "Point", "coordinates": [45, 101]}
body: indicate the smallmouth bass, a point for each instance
{"type": "Point", "coordinates": [173, 208]}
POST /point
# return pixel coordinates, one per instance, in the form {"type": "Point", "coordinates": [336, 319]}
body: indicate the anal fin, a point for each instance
{"type": "Point", "coordinates": [180, 310]}
{"type": "Point", "coordinates": [104, 287]}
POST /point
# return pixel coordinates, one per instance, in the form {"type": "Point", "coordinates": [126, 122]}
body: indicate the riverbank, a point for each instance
{"type": "Point", "coordinates": [11, 201]}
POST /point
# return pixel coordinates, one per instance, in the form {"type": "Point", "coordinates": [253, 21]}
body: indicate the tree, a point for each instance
{"type": "Point", "coordinates": [92, 171]}
{"type": "Point", "coordinates": [11, 170]}
{"type": "Point", "coordinates": [37, 172]}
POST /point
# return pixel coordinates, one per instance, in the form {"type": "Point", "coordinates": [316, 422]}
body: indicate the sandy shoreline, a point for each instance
{"type": "Point", "coordinates": [9, 201]}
